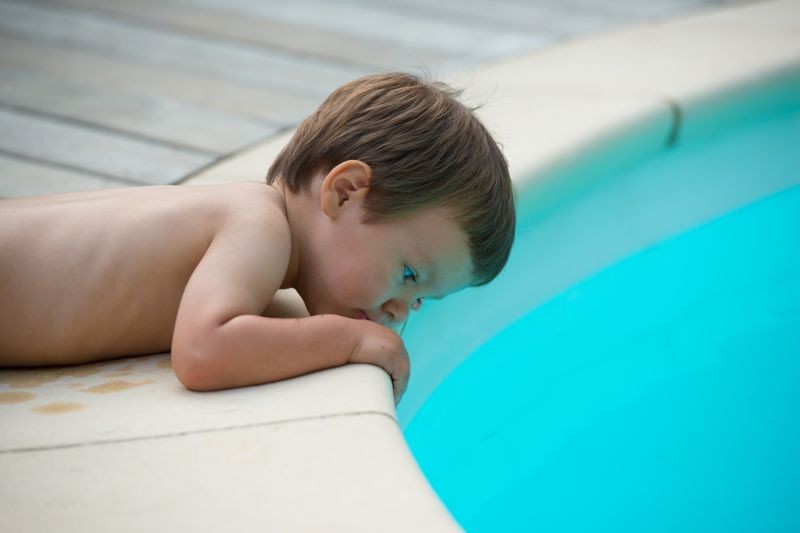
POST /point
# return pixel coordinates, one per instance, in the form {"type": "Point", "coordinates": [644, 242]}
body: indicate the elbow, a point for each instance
{"type": "Point", "coordinates": [194, 368]}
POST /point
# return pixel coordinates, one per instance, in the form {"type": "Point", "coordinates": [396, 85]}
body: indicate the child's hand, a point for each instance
{"type": "Point", "coordinates": [383, 347]}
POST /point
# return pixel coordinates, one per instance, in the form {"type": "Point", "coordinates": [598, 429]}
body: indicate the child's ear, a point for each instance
{"type": "Point", "coordinates": [344, 186]}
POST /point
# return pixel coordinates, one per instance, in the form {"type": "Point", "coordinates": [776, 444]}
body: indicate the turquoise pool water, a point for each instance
{"type": "Point", "coordinates": [637, 368]}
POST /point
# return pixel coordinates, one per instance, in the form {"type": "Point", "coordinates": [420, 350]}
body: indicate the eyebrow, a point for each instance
{"type": "Point", "coordinates": [432, 273]}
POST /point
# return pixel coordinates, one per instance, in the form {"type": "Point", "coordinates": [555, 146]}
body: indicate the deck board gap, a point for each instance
{"type": "Point", "coordinates": [180, 30]}
{"type": "Point", "coordinates": [24, 110]}
{"type": "Point", "coordinates": [73, 168]}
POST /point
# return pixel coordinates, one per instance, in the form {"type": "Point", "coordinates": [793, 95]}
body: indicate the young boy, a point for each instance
{"type": "Point", "coordinates": [392, 192]}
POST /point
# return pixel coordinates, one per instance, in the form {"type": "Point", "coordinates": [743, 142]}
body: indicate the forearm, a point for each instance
{"type": "Point", "coordinates": [249, 350]}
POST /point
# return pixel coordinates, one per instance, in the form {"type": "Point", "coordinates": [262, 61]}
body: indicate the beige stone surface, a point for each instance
{"type": "Point", "coordinates": [548, 108]}
{"type": "Point", "coordinates": [344, 473]}
{"type": "Point", "coordinates": [138, 397]}
{"type": "Point", "coordinates": [122, 444]}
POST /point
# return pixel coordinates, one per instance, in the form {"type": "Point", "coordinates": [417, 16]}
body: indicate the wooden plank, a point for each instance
{"type": "Point", "coordinates": [281, 35]}
{"type": "Point", "coordinates": [279, 107]}
{"type": "Point", "coordinates": [28, 178]}
{"type": "Point", "coordinates": [546, 19]}
{"type": "Point", "coordinates": [108, 37]}
{"type": "Point", "coordinates": [630, 10]}
{"type": "Point", "coordinates": [95, 151]}
{"type": "Point", "coordinates": [140, 113]}
{"type": "Point", "coordinates": [459, 38]}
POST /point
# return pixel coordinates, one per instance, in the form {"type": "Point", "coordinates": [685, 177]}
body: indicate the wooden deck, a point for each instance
{"type": "Point", "coordinates": [112, 93]}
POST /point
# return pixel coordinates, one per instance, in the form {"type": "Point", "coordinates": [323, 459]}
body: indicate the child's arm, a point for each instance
{"type": "Point", "coordinates": [286, 304]}
{"type": "Point", "coordinates": [221, 341]}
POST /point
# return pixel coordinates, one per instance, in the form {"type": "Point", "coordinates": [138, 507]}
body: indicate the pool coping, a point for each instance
{"type": "Point", "coordinates": [331, 438]}
{"type": "Point", "coordinates": [654, 80]}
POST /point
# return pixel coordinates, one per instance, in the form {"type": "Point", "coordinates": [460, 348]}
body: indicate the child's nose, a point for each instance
{"type": "Point", "coordinates": [397, 310]}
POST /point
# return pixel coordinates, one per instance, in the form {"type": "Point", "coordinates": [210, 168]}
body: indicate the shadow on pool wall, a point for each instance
{"type": "Point", "coordinates": [572, 419]}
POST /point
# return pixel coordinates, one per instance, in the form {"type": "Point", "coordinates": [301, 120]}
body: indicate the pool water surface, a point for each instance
{"type": "Point", "coordinates": [661, 392]}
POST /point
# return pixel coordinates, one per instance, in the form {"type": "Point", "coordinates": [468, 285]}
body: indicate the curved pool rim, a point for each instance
{"type": "Point", "coordinates": [626, 145]}
{"type": "Point", "coordinates": [694, 50]}
{"type": "Point", "coordinates": [738, 108]}
{"type": "Point", "coordinates": [749, 108]}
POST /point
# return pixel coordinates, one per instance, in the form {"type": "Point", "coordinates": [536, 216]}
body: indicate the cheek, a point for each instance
{"type": "Point", "coordinates": [360, 285]}
{"type": "Point", "coordinates": [363, 289]}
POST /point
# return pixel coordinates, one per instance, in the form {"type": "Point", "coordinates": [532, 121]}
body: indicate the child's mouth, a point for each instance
{"type": "Point", "coordinates": [362, 315]}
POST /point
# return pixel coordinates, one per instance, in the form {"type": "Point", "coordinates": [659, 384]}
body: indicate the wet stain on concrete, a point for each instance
{"type": "Point", "coordinates": [16, 397]}
{"type": "Point", "coordinates": [116, 386]}
{"type": "Point", "coordinates": [29, 379]}
{"type": "Point", "coordinates": [32, 378]}
{"type": "Point", "coordinates": [83, 370]}
{"type": "Point", "coordinates": [121, 373]}
{"type": "Point", "coordinates": [58, 408]}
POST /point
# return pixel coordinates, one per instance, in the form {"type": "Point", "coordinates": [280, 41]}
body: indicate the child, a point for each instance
{"type": "Point", "coordinates": [391, 193]}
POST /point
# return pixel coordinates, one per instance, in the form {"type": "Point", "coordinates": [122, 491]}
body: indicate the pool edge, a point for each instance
{"type": "Point", "coordinates": [584, 101]}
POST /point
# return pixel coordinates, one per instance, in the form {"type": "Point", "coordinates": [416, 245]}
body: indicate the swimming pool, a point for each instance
{"type": "Point", "coordinates": [637, 365]}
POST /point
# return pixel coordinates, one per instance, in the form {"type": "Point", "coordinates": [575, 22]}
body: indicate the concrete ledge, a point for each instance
{"type": "Point", "coordinates": [323, 452]}
{"type": "Point", "coordinates": [123, 440]}
{"type": "Point", "coordinates": [549, 109]}
{"type": "Point", "coordinates": [115, 401]}
{"type": "Point", "coordinates": [296, 476]}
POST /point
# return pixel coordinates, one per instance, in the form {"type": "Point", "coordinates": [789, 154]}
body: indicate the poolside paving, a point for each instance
{"type": "Point", "coordinates": [111, 93]}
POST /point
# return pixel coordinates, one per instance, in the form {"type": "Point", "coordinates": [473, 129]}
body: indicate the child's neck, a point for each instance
{"type": "Point", "coordinates": [290, 201]}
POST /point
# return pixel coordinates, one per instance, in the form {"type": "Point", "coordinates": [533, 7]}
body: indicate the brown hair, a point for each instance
{"type": "Point", "coordinates": [425, 149]}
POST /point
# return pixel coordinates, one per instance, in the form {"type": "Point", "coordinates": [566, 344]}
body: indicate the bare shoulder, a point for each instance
{"type": "Point", "coordinates": [254, 221]}
{"type": "Point", "coordinates": [244, 264]}
{"type": "Point", "coordinates": [251, 200]}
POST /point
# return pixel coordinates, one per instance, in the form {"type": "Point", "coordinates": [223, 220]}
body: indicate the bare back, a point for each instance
{"type": "Point", "coordinates": [97, 275]}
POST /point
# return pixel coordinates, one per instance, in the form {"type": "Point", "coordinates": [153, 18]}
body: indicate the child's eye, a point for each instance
{"type": "Point", "coordinates": [409, 274]}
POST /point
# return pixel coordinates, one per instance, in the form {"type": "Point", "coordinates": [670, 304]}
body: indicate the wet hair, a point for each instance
{"type": "Point", "coordinates": [425, 149]}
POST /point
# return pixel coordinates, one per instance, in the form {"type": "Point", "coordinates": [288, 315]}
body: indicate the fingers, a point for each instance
{"type": "Point", "coordinates": [399, 384]}
{"type": "Point", "coordinates": [398, 392]}
{"type": "Point", "coordinates": [386, 349]}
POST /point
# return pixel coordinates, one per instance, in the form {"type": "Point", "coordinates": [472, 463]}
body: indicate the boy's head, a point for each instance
{"type": "Point", "coordinates": [424, 149]}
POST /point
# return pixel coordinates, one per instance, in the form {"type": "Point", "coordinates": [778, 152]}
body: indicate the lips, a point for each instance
{"type": "Point", "coordinates": [362, 315]}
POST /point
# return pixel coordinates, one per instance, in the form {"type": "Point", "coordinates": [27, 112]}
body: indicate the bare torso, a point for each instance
{"type": "Point", "coordinates": [97, 275]}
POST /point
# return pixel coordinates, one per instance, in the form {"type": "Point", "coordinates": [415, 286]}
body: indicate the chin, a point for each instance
{"type": "Point", "coordinates": [311, 306]}
{"type": "Point", "coordinates": [315, 309]}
